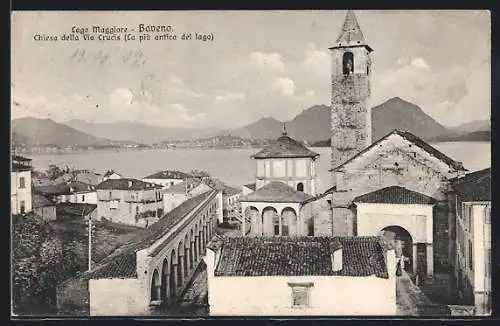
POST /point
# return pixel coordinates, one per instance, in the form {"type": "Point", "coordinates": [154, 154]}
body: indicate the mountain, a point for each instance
{"type": "Point", "coordinates": [264, 128]}
{"type": "Point", "coordinates": [33, 131]}
{"type": "Point", "coordinates": [313, 124]}
{"type": "Point", "coordinates": [397, 113]}
{"type": "Point", "coordinates": [482, 135]}
{"type": "Point", "coordinates": [477, 125]}
{"type": "Point", "coordinates": [138, 132]}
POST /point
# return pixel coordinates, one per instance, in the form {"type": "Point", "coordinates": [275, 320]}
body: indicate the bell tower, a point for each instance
{"type": "Point", "coordinates": [350, 114]}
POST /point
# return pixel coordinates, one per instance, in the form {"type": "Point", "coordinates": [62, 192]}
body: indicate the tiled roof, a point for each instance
{"type": "Point", "coordinates": [169, 174]}
{"type": "Point", "coordinates": [276, 192]}
{"type": "Point", "coordinates": [285, 147]}
{"type": "Point", "coordinates": [319, 196]}
{"type": "Point", "coordinates": [20, 158]}
{"type": "Point", "coordinates": [78, 186]}
{"type": "Point", "coordinates": [475, 186]}
{"type": "Point", "coordinates": [109, 173]}
{"type": "Point", "coordinates": [351, 34]}
{"type": "Point", "coordinates": [298, 256]}
{"type": "Point", "coordinates": [229, 191]}
{"type": "Point", "coordinates": [252, 186]}
{"type": "Point", "coordinates": [74, 209]}
{"type": "Point", "coordinates": [127, 184]}
{"type": "Point", "coordinates": [395, 195]}
{"type": "Point", "coordinates": [416, 141]}
{"type": "Point", "coordinates": [121, 263]}
{"type": "Point", "coordinates": [40, 201]}
{"type": "Point", "coordinates": [181, 187]}
{"type": "Point", "coordinates": [52, 189]}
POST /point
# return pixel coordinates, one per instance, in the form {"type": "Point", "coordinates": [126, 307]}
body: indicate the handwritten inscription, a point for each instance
{"type": "Point", "coordinates": [140, 33]}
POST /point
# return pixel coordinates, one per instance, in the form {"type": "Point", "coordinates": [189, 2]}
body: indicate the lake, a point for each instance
{"type": "Point", "coordinates": [233, 166]}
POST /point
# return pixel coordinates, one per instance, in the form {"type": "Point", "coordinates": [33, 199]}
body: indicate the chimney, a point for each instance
{"type": "Point", "coordinates": [337, 259]}
{"type": "Point", "coordinates": [130, 183]}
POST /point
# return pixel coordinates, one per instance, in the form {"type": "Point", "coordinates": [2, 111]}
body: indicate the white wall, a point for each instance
{"type": "Point", "coordinates": [416, 219]}
{"type": "Point", "coordinates": [20, 194]}
{"type": "Point", "coordinates": [166, 183]}
{"type": "Point", "coordinates": [330, 295]}
{"type": "Point", "coordinates": [115, 297]}
{"type": "Point", "coordinates": [170, 201]}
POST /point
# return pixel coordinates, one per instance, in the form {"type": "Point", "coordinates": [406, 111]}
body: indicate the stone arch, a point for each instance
{"type": "Point", "coordinates": [252, 214]}
{"type": "Point", "coordinates": [402, 241]}
{"type": "Point", "coordinates": [347, 63]}
{"type": "Point", "coordinates": [289, 221]}
{"type": "Point", "coordinates": [196, 240]}
{"type": "Point", "coordinates": [173, 274]}
{"type": "Point", "coordinates": [155, 286]}
{"type": "Point", "coordinates": [186, 255]}
{"type": "Point", "coordinates": [300, 186]}
{"type": "Point", "coordinates": [269, 219]}
{"type": "Point", "coordinates": [165, 280]}
{"type": "Point", "coordinates": [180, 263]}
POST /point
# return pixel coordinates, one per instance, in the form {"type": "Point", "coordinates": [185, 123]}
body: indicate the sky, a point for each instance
{"type": "Point", "coordinates": [260, 64]}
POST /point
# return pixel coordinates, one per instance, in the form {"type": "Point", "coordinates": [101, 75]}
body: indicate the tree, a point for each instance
{"type": "Point", "coordinates": [54, 172]}
{"type": "Point", "coordinates": [39, 263]}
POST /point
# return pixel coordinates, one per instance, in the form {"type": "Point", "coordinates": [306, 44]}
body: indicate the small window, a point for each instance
{"type": "Point", "coordinates": [22, 183]}
{"type": "Point", "coordinates": [300, 294]}
{"type": "Point", "coordinates": [300, 187]}
{"type": "Point", "coordinates": [171, 183]}
{"type": "Point", "coordinates": [348, 63]}
{"type": "Point", "coordinates": [83, 198]}
{"type": "Point", "coordinates": [22, 206]}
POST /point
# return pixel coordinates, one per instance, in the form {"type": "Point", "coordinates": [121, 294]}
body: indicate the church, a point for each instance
{"type": "Point", "coordinates": [397, 184]}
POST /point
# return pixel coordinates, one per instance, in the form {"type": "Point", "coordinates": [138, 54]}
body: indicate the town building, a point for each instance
{"type": "Point", "coordinates": [288, 161]}
{"type": "Point", "coordinates": [129, 201]}
{"type": "Point", "coordinates": [69, 192]}
{"type": "Point", "coordinates": [167, 178]}
{"type": "Point", "coordinates": [110, 174]}
{"type": "Point", "coordinates": [471, 198]}
{"type": "Point", "coordinates": [286, 276]}
{"type": "Point", "coordinates": [153, 268]}
{"type": "Point", "coordinates": [44, 208]}
{"type": "Point", "coordinates": [231, 201]}
{"type": "Point", "coordinates": [20, 185]}
{"type": "Point", "coordinates": [179, 193]}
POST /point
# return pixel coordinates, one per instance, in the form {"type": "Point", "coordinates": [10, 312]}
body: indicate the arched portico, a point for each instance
{"type": "Point", "coordinates": [270, 221]}
{"type": "Point", "coordinates": [165, 271]}
{"type": "Point", "coordinates": [403, 243]}
{"type": "Point", "coordinates": [155, 286]}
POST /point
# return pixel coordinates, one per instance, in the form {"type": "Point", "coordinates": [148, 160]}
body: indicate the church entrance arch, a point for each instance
{"type": "Point", "coordinates": [403, 244]}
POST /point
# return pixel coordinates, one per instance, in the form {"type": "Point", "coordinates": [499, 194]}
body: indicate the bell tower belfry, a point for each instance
{"type": "Point", "coordinates": [350, 114]}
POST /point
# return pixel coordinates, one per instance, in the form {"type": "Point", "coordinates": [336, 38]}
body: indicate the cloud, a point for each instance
{"type": "Point", "coordinates": [419, 63]}
{"type": "Point", "coordinates": [269, 61]}
{"type": "Point", "coordinates": [286, 86]}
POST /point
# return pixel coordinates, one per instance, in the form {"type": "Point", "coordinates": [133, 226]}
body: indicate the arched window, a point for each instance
{"type": "Point", "coordinates": [347, 63]}
{"type": "Point", "coordinates": [284, 225]}
{"type": "Point", "coordinates": [276, 224]}
{"type": "Point", "coordinates": [300, 186]}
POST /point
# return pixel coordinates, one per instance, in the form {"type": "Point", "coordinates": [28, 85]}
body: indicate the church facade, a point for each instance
{"type": "Point", "coordinates": [398, 183]}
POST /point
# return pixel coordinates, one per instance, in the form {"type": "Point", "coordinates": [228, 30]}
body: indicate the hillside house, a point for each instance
{"type": "Point", "coordinates": [44, 208]}
{"type": "Point", "coordinates": [20, 185]}
{"type": "Point", "coordinates": [69, 192]}
{"type": "Point", "coordinates": [471, 198]}
{"type": "Point", "coordinates": [301, 276]}
{"type": "Point", "coordinates": [179, 193]}
{"type": "Point", "coordinates": [129, 201]}
{"type": "Point", "coordinates": [76, 211]}
{"type": "Point", "coordinates": [167, 178]}
{"type": "Point", "coordinates": [110, 174]}
{"type": "Point", "coordinates": [231, 203]}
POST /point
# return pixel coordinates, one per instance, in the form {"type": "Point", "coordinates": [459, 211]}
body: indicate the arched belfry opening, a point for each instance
{"type": "Point", "coordinates": [300, 186]}
{"type": "Point", "coordinates": [348, 63]}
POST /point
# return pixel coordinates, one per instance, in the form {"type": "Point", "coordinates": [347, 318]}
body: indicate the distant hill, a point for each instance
{"type": "Point", "coordinates": [33, 131]}
{"type": "Point", "coordinates": [397, 113]}
{"type": "Point", "coordinates": [484, 135]}
{"type": "Point", "coordinates": [477, 125]}
{"type": "Point", "coordinates": [264, 128]}
{"type": "Point", "coordinates": [313, 124]}
{"type": "Point", "coordinates": [139, 132]}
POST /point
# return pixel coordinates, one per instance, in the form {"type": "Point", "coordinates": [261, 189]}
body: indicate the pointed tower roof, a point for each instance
{"type": "Point", "coordinates": [350, 34]}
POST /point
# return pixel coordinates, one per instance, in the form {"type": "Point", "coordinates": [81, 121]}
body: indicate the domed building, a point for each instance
{"type": "Point", "coordinates": [285, 178]}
